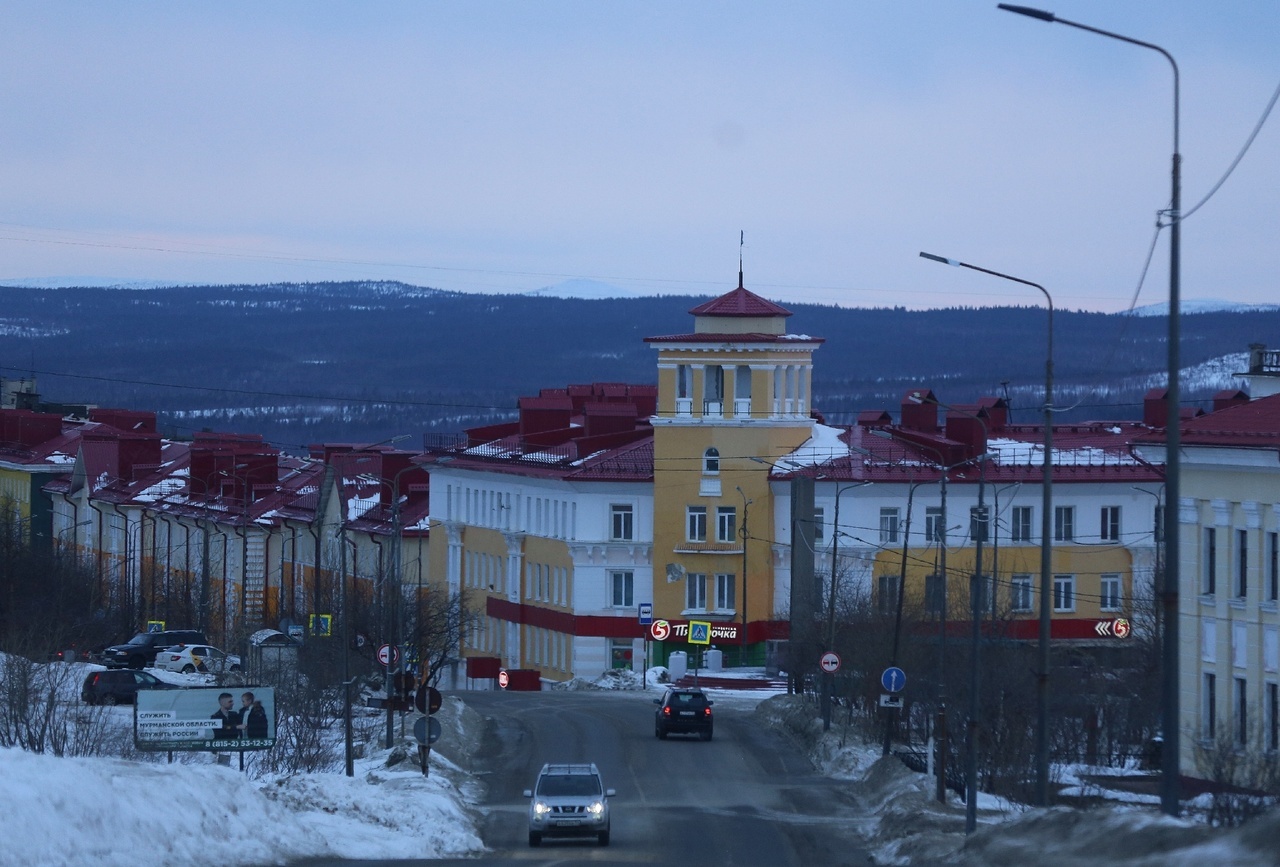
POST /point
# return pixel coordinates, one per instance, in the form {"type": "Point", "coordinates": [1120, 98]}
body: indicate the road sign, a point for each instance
{"type": "Point", "coordinates": [1118, 628]}
{"type": "Point", "coordinates": [503, 678]}
{"type": "Point", "coordinates": [699, 632]}
{"type": "Point", "coordinates": [893, 679]}
{"type": "Point", "coordinates": [427, 699]}
{"type": "Point", "coordinates": [426, 729]}
{"type": "Point", "coordinates": [388, 655]}
{"type": "Point", "coordinates": [829, 662]}
{"type": "Point", "coordinates": [890, 700]}
{"type": "Point", "coordinates": [660, 630]}
{"type": "Point", "coordinates": [646, 613]}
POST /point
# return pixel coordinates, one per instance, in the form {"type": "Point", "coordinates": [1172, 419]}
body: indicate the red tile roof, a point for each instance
{"type": "Point", "coordinates": [741, 303]}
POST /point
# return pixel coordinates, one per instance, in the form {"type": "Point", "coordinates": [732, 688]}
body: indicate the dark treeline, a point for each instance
{"type": "Point", "coordinates": [359, 361]}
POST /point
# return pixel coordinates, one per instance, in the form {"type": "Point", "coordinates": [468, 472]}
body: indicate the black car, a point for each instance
{"type": "Point", "coordinates": [140, 651]}
{"type": "Point", "coordinates": [683, 711]}
{"type": "Point", "coordinates": [118, 686]}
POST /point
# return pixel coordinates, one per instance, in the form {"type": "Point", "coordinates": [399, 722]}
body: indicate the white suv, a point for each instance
{"type": "Point", "coordinates": [569, 801]}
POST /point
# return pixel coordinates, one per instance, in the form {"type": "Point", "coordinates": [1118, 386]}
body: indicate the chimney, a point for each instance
{"type": "Point", "coordinates": [919, 412]}
{"type": "Point", "coordinates": [1228, 398]}
{"type": "Point", "coordinates": [1155, 411]}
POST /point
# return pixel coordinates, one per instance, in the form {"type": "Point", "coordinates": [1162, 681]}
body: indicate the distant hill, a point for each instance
{"type": "Point", "coordinates": [364, 361]}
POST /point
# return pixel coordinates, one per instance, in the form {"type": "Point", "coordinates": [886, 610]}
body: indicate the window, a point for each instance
{"type": "Point", "coordinates": [933, 523]}
{"type": "Point", "coordinates": [725, 587]}
{"type": "Point", "coordinates": [819, 519]}
{"type": "Point", "coordinates": [1112, 594]}
{"type": "Point", "coordinates": [888, 593]}
{"type": "Point", "coordinates": [726, 524]}
{"type": "Point", "coordinates": [711, 461]}
{"type": "Point", "coordinates": [1273, 567]}
{"type": "Point", "coordinates": [1210, 561]}
{"type": "Point", "coordinates": [889, 525]}
{"type": "Point", "coordinates": [1272, 707]}
{"type": "Point", "coordinates": [695, 592]}
{"type": "Point", "coordinates": [1209, 706]}
{"type": "Point", "coordinates": [1064, 593]}
{"type": "Point", "coordinates": [621, 523]}
{"type": "Point", "coordinates": [1240, 704]}
{"type": "Point", "coordinates": [1064, 523]}
{"type": "Point", "coordinates": [1020, 524]}
{"type": "Point", "coordinates": [983, 586]}
{"type": "Point", "coordinates": [696, 526]}
{"type": "Point", "coordinates": [978, 518]}
{"type": "Point", "coordinates": [1242, 563]}
{"type": "Point", "coordinates": [1109, 530]}
{"type": "Point", "coordinates": [1021, 596]}
{"type": "Point", "coordinates": [684, 379]}
{"type": "Point", "coordinates": [624, 589]}
{"type": "Point", "coordinates": [934, 594]}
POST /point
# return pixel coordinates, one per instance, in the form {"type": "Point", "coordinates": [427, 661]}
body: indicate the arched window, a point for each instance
{"type": "Point", "coordinates": [711, 461]}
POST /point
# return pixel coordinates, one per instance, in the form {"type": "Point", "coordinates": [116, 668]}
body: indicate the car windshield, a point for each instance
{"type": "Point", "coordinates": [141, 638]}
{"type": "Point", "coordinates": [688, 699]}
{"type": "Point", "coordinates": [557, 785]}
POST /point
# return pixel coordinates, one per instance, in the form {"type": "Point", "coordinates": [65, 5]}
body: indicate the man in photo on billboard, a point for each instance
{"type": "Point", "coordinates": [226, 723]}
{"type": "Point", "coordinates": [253, 718]}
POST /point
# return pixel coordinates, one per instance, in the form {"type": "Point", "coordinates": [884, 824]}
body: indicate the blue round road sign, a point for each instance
{"type": "Point", "coordinates": [893, 679]}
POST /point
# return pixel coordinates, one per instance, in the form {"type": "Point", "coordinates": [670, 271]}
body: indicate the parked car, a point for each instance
{"type": "Point", "coordinates": [569, 801]}
{"type": "Point", "coordinates": [118, 686]}
{"type": "Point", "coordinates": [683, 711]}
{"type": "Point", "coordinates": [140, 651]}
{"type": "Point", "coordinates": [190, 658]}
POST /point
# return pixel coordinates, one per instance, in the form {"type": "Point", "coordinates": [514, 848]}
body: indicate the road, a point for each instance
{"type": "Point", "coordinates": [748, 797]}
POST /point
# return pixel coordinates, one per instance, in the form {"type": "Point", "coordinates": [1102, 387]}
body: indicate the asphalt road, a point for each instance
{"type": "Point", "coordinates": [747, 797]}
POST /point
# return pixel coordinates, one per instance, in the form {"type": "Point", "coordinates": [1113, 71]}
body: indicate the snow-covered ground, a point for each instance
{"type": "Point", "coordinates": [107, 812]}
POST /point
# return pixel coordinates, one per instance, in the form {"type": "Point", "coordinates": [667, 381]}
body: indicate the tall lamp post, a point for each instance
{"type": "Point", "coordinates": [897, 615]}
{"type": "Point", "coordinates": [829, 679]}
{"type": "Point", "coordinates": [1169, 787]}
{"type": "Point", "coordinates": [975, 636]}
{"type": "Point", "coordinates": [742, 531]}
{"type": "Point", "coordinates": [1046, 551]}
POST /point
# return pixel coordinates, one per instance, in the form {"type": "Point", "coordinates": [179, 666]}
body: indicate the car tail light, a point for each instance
{"type": "Point", "coordinates": [95, 679]}
{"type": "Point", "coordinates": [666, 711]}
{"type": "Point", "coordinates": [707, 712]}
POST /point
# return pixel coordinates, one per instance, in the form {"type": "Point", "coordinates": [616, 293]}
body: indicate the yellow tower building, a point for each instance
{"type": "Point", "coordinates": [733, 394]}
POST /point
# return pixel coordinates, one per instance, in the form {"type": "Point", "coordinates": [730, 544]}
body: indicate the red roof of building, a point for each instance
{"type": "Point", "coordinates": [1255, 424]}
{"type": "Point", "coordinates": [742, 303]}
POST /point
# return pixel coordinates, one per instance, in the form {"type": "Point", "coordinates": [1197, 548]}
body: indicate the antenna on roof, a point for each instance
{"type": "Point", "coordinates": [741, 238]}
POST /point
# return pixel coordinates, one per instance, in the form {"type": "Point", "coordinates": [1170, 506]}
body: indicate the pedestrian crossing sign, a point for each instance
{"type": "Point", "coordinates": [699, 632]}
{"type": "Point", "coordinates": [322, 625]}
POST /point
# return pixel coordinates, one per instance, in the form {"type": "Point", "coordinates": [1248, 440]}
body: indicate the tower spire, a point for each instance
{"type": "Point", "coordinates": [741, 237]}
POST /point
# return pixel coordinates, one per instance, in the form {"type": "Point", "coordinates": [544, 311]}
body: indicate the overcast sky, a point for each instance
{"type": "Point", "coordinates": [486, 146]}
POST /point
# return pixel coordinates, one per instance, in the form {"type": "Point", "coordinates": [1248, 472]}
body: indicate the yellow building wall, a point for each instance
{"type": "Point", "coordinates": [1086, 563]}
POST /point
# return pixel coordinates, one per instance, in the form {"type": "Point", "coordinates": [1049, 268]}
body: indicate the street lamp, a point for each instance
{"type": "Point", "coordinates": [897, 617]}
{"type": "Point", "coordinates": [742, 531]}
{"type": "Point", "coordinates": [1046, 551]}
{"type": "Point", "coordinates": [829, 680]}
{"type": "Point", "coordinates": [975, 615]}
{"type": "Point", "coordinates": [1169, 788]}
{"type": "Point", "coordinates": [392, 593]}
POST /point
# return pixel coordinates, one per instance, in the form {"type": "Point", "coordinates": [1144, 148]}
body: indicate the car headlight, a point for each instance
{"type": "Point", "coordinates": [596, 808]}
{"type": "Point", "coordinates": [541, 807]}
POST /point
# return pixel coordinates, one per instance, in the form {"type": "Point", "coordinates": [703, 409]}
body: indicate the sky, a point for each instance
{"type": "Point", "coordinates": [64, 811]}
{"type": "Point", "coordinates": [508, 146]}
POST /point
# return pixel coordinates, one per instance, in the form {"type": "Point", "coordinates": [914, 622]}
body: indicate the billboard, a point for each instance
{"type": "Point", "coordinates": [215, 718]}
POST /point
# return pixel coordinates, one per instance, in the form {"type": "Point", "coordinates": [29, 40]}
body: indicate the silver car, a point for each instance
{"type": "Point", "coordinates": [569, 801]}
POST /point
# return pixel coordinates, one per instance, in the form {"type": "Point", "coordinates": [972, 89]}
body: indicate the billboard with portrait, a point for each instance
{"type": "Point", "coordinates": [231, 719]}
